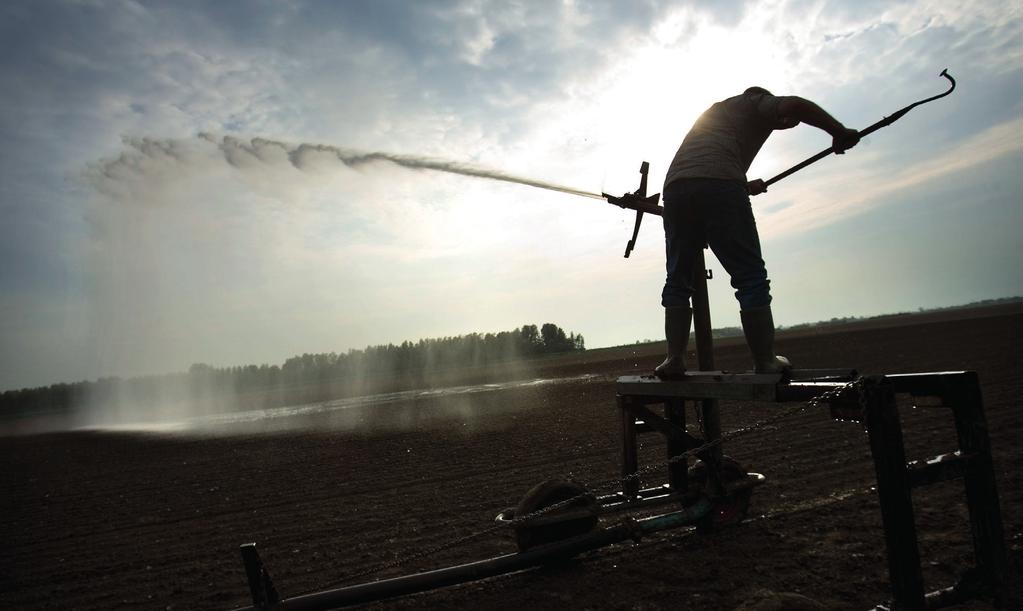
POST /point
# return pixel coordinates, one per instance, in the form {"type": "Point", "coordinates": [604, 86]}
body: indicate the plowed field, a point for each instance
{"type": "Point", "coordinates": [153, 521]}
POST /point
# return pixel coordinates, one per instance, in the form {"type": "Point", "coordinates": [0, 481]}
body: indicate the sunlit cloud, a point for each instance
{"type": "Point", "coordinates": [176, 256]}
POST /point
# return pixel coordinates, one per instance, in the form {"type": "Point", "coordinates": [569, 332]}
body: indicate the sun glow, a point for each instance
{"type": "Point", "coordinates": [638, 107]}
{"type": "Point", "coordinates": [646, 101]}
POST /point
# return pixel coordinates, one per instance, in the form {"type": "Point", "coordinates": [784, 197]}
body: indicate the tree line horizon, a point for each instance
{"type": "Point", "coordinates": [301, 378]}
{"type": "Point", "coordinates": [263, 386]}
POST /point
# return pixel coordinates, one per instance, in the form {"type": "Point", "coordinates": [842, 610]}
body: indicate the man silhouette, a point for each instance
{"type": "Point", "coordinates": [706, 201]}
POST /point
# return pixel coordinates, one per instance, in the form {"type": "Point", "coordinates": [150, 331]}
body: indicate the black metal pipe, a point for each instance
{"type": "Point", "coordinates": [701, 316]}
{"type": "Point", "coordinates": [420, 582]}
{"type": "Point", "coordinates": [705, 356]}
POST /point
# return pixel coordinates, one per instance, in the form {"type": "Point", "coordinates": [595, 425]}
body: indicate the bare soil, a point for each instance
{"type": "Point", "coordinates": [110, 520]}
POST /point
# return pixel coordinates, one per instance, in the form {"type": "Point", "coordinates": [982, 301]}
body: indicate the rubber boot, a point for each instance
{"type": "Point", "coordinates": [676, 330]}
{"type": "Point", "coordinates": [758, 326]}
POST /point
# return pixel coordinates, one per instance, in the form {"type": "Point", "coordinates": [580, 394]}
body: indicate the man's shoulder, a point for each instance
{"type": "Point", "coordinates": [749, 99]}
{"type": "Point", "coordinates": [755, 105]}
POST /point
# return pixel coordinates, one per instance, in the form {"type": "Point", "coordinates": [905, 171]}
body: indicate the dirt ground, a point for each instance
{"type": "Point", "coordinates": [153, 521]}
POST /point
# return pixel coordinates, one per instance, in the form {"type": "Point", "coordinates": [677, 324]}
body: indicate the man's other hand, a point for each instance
{"type": "Point", "coordinates": [844, 140]}
{"type": "Point", "coordinates": [756, 187]}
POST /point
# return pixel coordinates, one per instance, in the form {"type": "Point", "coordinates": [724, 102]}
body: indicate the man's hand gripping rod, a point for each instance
{"type": "Point", "coordinates": [885, 122]}
{"type": "Point", "coordinates": [638, 201]}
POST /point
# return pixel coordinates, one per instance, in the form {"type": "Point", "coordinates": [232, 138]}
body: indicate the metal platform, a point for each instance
{"type": "Point", "coordinates": [635, 395]}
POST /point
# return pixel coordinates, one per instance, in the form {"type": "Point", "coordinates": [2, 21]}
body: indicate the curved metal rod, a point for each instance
{"type": "Point", "coordinates": [898, 115]}
{"type": "Point", "coordinates": [951, 80]}
{"type": "Point", "coordinates": [864, 132]}
{"type": "Point", "coordinates": [945, 74]}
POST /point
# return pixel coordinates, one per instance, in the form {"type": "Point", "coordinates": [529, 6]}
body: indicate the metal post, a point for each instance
{"type": "Point", "coordinates": [261, 587]}
{"type": "Point", "coordinates": [701, 316]}
{"type": "Point", "coordinates": [630, 458]}
{"type": "Point", "coordinates": [893, 490]}
{"type": "Point", "coordinates": [675, 413]}
{"type": "Point", "coordinates": [705, 360]}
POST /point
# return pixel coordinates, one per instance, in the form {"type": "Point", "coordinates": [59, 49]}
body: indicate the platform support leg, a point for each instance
{"type": "Point", "coordinates": [889, 453]}
{"type": "Point", "coordinates": [675, 413]}
{"type": "Point", "coordinates": [630, 457]}
{"type": "Point", "coordinates": [712, 456]}
{"type": "Point", "coordinates": [705, 359]}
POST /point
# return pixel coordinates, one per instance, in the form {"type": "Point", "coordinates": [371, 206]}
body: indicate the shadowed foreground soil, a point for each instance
{"type": "Point", "coordinates": [105, 520]}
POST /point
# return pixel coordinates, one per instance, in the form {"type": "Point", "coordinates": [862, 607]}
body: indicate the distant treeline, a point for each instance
{"type": "Point", "coordinates": [847, 319]}
{"type": "Point", "coordinates": [300, 378]}
{"type": "Point", "coordinates": [723, 332]}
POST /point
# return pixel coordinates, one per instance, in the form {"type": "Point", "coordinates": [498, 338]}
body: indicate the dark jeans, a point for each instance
{"type": "Point", "coordinates": [700, 211]}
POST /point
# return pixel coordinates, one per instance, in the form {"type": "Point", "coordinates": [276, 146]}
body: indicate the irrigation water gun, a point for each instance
{"type": "Point", "coordinates": [638, 201]}
{"type": "Point", "coordinates": [642, 203]}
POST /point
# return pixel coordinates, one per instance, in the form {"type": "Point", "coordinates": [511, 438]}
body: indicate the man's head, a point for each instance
{"type": "Point", "coordinates": [755, 89]}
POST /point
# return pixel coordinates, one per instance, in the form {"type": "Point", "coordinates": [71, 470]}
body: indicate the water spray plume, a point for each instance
{"type": "Point", "coordinates": [240, 152]}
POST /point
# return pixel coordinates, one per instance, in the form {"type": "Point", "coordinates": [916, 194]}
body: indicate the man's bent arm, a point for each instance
{"type": "Point", "coordinates": [807, 112]}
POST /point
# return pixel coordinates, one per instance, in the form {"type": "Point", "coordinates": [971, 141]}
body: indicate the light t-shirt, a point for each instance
{"type": "Point", "coordinates": [725, 139]}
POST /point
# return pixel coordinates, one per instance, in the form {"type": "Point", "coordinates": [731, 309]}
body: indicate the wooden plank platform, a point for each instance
{"type": "Point", "coordinates": [798, 385]}
{"type": "Point", "coordinates": [704, 385]}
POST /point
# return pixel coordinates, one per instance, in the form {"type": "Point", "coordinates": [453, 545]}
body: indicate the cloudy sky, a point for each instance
{"type": "Point", "coordinates": [170, 193]}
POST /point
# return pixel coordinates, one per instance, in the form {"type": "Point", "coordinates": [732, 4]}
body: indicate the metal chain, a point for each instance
{"type": "Point", "coordinates": [833, 393]}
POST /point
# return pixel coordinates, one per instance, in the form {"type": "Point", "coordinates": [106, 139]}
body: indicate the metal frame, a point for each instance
{"type": "Point", "coordinates": [626, 529]}
{"type": "Point", "coordinates": [870, 401]}
{"type": "Point", "coordinates": [873, 404]}
{"type": "Point", "coordinates": [635, 395]}
{"type": "Point", "coordinates": [960, 393]}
